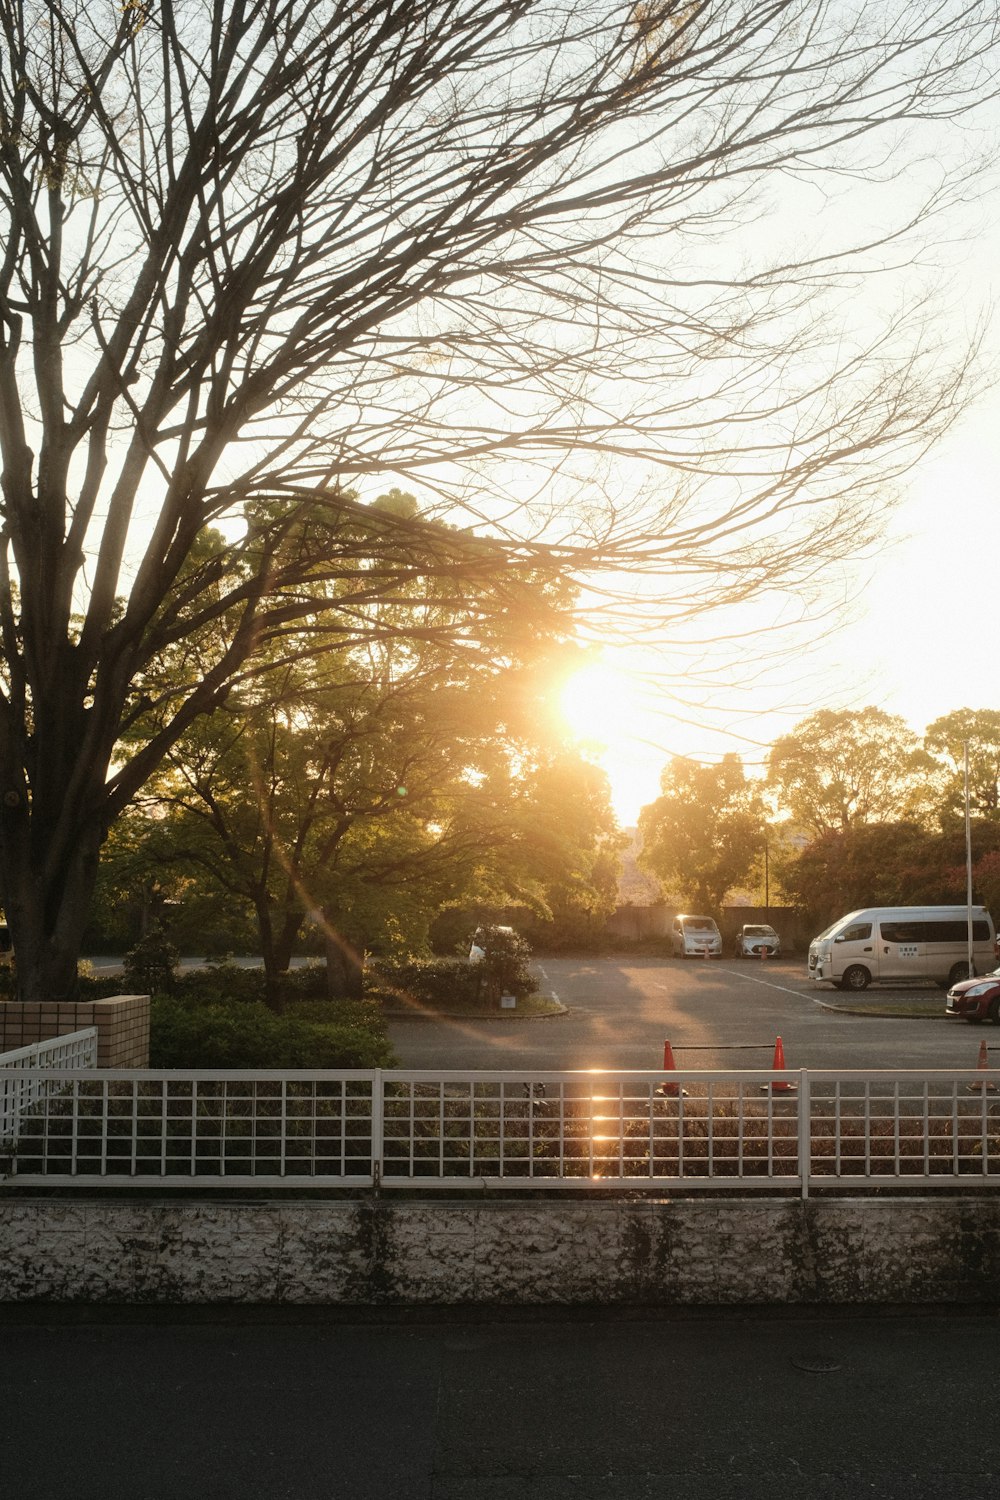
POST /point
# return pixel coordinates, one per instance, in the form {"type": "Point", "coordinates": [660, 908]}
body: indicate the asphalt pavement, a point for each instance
{"type": "Point", "coordinates": [620, 1010]}
{"type": "Point", "coordinates": [820, 1405]}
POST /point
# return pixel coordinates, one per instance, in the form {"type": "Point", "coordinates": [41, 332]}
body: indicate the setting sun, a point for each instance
{"type": "Point", "coordinates": [612, 711]}
{"type": "Point", "coordinates": [600, 704]}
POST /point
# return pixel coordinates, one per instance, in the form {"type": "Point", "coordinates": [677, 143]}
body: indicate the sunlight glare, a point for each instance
{"type": "Point", "coordinates": [600, 704]}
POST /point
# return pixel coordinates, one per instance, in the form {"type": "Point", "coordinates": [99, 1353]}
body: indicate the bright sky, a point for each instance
{"type": "Point", "coordinates": [918, 640]}
{"type": "Point", "coordinates": [916, 628]}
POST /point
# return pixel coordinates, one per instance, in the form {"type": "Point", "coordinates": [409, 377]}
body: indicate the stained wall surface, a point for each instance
{"type": "Point", "coordinates": [376, 1251]}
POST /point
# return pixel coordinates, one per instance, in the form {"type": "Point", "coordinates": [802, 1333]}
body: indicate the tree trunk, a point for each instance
{"type": "Point", "coordinates": [274, 970]}
{"type": "Point", "coordinates": [47, 903]}
{"type": "Point", "coordinates": [276, 948]}
{"type": "Point", "coordinates": [344, 970]}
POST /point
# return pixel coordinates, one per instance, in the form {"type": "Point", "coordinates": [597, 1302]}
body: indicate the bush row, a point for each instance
{"type": "Point", "coordinates": [190, 1032]}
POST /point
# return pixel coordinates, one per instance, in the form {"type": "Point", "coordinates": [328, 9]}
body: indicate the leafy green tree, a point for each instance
{"type": "Point", "coordinates": [892, 864]}
{"type": "Point", "coordinates": [358, 791]}
{"type": "Point", "coordinates": [551, 860]}
{"type": "Point", "coordinates": [257, 253]}
{"type": "Point", "coordinates": [704, 834]}
{"type": "Point", "coordinates": [840, 769]}
{"type": "Point", "coordinates": [946, 739]}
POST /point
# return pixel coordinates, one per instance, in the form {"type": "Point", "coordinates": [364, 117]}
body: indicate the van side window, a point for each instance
{"type": "Point", "coordinates": [856, 932]}
{"type": "Point", "coordinates": [903, 932]}
{"type": "Point", "coordinates": [937, 931]}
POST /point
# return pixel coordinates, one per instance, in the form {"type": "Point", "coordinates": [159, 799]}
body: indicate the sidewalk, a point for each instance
{"type": "Point", "coordinates": [816, 1404]}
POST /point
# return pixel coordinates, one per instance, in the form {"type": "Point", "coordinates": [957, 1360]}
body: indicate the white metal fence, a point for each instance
{"type": "Point", "coordinates": [798, 1131]}
{"type": "Point", "coordinates": [25, 1074]}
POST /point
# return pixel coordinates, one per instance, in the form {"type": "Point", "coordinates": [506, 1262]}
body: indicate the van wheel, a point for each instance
{"type": "Point", "coordinates": [856, 977]}
{"type": "Point", "coordinates": [961, 971]}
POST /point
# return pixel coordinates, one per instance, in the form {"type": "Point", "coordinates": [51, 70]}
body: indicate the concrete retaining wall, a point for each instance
{"type": "Point", "coordinates": [371, 1252]}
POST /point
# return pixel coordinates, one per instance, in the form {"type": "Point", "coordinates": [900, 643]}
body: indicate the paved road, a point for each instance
{"type": "Point", "coordinates": [811, 1404]}
{"type": "Point", "coordinates": [715, 1015]}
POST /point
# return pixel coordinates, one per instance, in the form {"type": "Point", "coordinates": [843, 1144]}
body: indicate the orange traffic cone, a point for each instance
{"type": "Point", "coordinates": [670, 1090]}
{"type": "Point", "coordinates": [779, 1086]}
{"type": "Point", "coordinates": [762, 950]}
{"type": "Point", "coordinates": [981, 1086]}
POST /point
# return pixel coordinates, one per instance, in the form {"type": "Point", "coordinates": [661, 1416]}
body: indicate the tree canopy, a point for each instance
{"type": "Point", "coordinates": [891, 864]}
{"type": "Point", "coordinates": [705, 834]}
{"type": "Point", "coordinates": [840, 769]}
{"type": "Point", "coordinates": [261, 257]}
{"type": "Point", "coordinates": [978, 730]}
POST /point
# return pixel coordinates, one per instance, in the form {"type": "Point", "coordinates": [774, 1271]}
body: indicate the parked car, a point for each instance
{"type": "Point", "coordinates": [975, 999]}
{"type": "Point", "coordinates": [755, 938]}
{"type": "Point", "coordinates": [477, 952]}
{"type": "Point", "coordinates": [693, 937]}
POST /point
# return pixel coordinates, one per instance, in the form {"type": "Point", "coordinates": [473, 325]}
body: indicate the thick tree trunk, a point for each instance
{"type": "Point", "coordinates": [274, 969]}
{"type": "Point", "coordinates": [276, 949]}
{"type": "Point", "coordinates": [47, 904]}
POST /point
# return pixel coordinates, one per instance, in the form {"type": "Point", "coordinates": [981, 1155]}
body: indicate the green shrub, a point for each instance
{"type": "Point", "coordinates": [428, 981]}
{"type": "Point", "coordinates": [504, 965]}
{"type": "Point", "coordinates": [241, 1033]}
{"type": "Point", "coordinates": [307, 983]}
{"type": "Point", "coordinates": [151, 966]}
{"type": "Point", "coordinates": [100, 987]}
{"type": "Point", "coordinates": [227, 981]}
{"type": "Point", "coordinates": [222, 983]}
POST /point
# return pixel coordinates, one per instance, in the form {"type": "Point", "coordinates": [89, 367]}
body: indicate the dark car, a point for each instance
{"type": "Point", "coordinates": [757, 938]}
{"type": "Point", "coordinates": [975, 999]}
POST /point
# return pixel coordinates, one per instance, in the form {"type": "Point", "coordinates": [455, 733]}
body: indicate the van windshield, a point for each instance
{"type": "Point", "coordinates": [700, 924]}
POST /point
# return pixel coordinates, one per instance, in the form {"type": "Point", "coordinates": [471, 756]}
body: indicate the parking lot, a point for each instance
{"type": "Point", "coordinates": [715, 1013]}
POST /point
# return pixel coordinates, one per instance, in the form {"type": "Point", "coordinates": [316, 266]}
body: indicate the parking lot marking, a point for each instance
{"type": "Point", "coordinates": [769, 984]}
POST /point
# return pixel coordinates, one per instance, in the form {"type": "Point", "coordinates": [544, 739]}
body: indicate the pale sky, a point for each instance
{"type": "Point", "coordinates": [919, 641]}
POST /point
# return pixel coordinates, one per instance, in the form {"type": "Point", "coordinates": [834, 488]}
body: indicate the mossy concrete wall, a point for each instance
{"type": "Point", "coordinates": [357, 1252]}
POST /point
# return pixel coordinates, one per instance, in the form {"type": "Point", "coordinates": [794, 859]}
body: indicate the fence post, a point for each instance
{"type": "Point", "coordinates": [805, 1131]}
{"type": "Point", "coordinates": [378, 1125]}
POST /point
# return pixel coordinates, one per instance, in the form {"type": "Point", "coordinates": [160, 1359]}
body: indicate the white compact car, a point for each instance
{"type": "Point", "coordinates": [755, 938]}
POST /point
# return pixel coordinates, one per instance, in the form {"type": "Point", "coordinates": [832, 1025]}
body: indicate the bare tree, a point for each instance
{"type": "Point", "coordinates": [256, 252]}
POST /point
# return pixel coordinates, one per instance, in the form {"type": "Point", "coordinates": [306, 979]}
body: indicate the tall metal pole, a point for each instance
{"type": "Point", "coordinates": [968, 860]}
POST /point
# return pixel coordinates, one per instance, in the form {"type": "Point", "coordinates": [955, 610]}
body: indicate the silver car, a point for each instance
{"type": "Point", "coordinates": [755, 937]}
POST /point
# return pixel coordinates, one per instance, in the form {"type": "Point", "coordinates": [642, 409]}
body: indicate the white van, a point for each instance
{"type": "Point", "coordinates": [901, 943]}
{"type": "Point", "coordinates": [693, 937]}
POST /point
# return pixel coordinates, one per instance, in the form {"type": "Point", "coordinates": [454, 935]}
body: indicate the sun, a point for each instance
{"type": "Point", "coordinates": [608, 709]}
{"type": "Point", "coordinates": [599, 704]}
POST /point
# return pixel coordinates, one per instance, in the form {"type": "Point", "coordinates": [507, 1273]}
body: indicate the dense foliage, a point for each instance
{"type": "Point", "coordinates": [705, 833]}
{"type": "Point", "coordinates": [216, 1018]}
{"type": "Point", "coordinates": [863, 812]}
{"type": "Point", "coordinates": [234, 1034]}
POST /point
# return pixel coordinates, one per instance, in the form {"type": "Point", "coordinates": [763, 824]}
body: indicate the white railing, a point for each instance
{"type": "Point", "coordinates": [798, 1131]}
{"type": "Point", "coordinates": [25, 1073]}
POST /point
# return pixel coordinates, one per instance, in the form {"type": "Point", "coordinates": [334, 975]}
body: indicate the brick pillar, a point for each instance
{"type": "Point", "coordinates": [122, 1023]}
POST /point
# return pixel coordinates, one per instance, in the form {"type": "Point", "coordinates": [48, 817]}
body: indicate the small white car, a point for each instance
{"type": "Point", "coordinates": [755, 937]}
